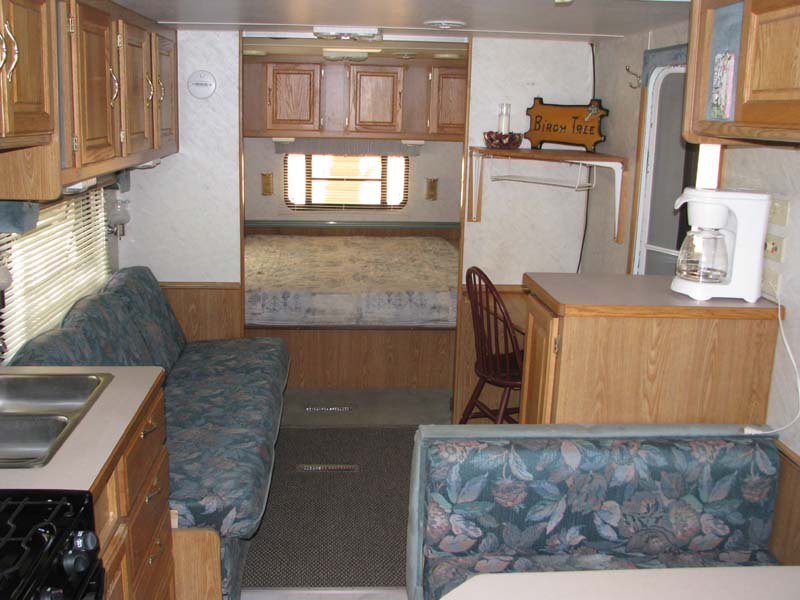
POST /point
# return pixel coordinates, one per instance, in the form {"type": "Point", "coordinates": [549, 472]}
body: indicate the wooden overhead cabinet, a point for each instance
{"type": "Point", "coordinates": [376, 94]}
{"type": "Point", "coordinates": [293, 96]}
{"type": "Point", "coordinates": [625, 349]}
{"type": "Point", "coordinates": [26, 51]}
{"type": "Point", "coordinates": [743, 80]}
{"type": "Point", "coordinates": [448, 100]}
{"type": "Point", "coordinates": [138, 90]}
{"type": "Point", "coordinates": [96, 86]}
{"type": "Point", "coordinates": [165, 64]}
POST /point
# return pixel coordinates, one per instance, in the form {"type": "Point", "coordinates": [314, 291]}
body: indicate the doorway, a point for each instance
{"type": "Point", "coordinates": [669, 164]}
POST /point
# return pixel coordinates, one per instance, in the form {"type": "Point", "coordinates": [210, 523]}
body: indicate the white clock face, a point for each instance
{"type": "Point", "coordinates": [202, 84]}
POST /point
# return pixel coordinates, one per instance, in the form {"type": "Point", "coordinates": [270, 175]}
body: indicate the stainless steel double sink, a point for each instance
{"type": "Point", "coordinates": [38, 412]}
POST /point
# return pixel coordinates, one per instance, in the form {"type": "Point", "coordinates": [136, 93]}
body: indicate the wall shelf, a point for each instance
{"type": "Point", "coordinates": [617, 164]}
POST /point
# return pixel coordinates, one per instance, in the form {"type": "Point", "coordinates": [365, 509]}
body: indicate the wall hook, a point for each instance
{"type": "Point", "coordinates": [638, 78]}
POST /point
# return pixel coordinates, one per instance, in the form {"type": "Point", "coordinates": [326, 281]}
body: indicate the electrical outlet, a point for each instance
{"type": "Point", "coordinates": [773, 247]}
{"type": "Point", "coordinates": [779, 213]}
{"type": "Point", "coordinates": [770, 284]}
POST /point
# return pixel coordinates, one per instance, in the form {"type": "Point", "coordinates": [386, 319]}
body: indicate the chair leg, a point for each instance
{"type": "Point", "coordinates": [501, 411]}
{"type": "Point", "coordinates": [472, 401]}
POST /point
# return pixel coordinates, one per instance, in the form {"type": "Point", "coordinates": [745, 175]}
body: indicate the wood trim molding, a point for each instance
{"type": "Point", "coordinates": [207, 310]}
{"type": "Point", "coordinates": [785, 542]}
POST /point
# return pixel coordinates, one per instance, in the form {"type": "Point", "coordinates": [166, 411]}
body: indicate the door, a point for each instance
{"type": "Point", "coordinates": [667, 161]}
{"type": "Point", "coordinates": [541, 360]}
{"type": "Point", "coordinates": [26, 77]}
{"type": "Point", "coordinates": [293, 96]}
{"type": "Point", "coordinates": [448, 109]}
{"type": "Point", "coordinates": [97, 91]}
{"type": "Point", "coordinates": [376, 98]}
{"type": "Point", "coordinates": [166, 79]}
{"type": "Point", "coordinates": [138, 90]}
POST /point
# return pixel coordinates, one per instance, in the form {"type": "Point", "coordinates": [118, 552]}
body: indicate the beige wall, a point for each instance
{"type": "Point", "coordinates": [601, 254]}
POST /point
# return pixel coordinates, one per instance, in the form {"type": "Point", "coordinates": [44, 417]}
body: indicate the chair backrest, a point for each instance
{"type": "Point", "coordinates": [497, 350]}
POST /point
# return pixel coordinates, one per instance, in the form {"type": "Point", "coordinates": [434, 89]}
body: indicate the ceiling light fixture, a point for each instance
{"type": "Point", "coordinates": [346, 32]}
{"type": "Point", "coordinates": [357, 56]}
{"type": "Point", "coordinates": [447, 55]}
{"type": "Point", "coordinates": [406, 55]}
{"type": "Point", "coordinates": [562, 2]}
{"type": "Point", "coordinates": [445, 24]}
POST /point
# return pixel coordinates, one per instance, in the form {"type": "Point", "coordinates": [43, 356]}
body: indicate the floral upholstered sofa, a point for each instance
{"type": "Point", "coordinates": [511, 498]}
{"type": "Point", "coordinates": [223, 401]}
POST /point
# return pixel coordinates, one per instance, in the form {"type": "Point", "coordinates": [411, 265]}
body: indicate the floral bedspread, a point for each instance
{"type": "Point", "coordinates": [350, 280]}
{"type": "Point", "coordinates": [571, 504]}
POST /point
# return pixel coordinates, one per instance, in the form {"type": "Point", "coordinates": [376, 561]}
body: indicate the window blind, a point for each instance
{"type": "Point", "coordinates": [63, 258]}
{"type": "Point", "coordinates": [325, 181]}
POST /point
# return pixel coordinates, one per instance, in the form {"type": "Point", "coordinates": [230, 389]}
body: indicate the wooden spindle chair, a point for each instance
{"type": "Point", "coordinates": [498, 355]}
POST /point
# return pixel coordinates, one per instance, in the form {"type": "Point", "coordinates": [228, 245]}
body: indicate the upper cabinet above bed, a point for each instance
{"type": "Point", "coordinates": [419, 99]}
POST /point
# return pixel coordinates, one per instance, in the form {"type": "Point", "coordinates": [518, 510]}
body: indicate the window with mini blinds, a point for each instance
{"type": "Point", "coordinates": [326, 181]}
{"type": "Point", "coordinates": [64, 258]}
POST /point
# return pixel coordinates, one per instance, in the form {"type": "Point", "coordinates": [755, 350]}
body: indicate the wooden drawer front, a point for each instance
{"type": "Point", "coordinates": [157, 565]}
{"type": "Point", "coordinates": [107, 511]}
{"type": "Point", "coordinates": [149, 508]}
{"type": "Point", "coordinates": [117, 578]}
{"type": "Point", "coordinates": [143, 450]}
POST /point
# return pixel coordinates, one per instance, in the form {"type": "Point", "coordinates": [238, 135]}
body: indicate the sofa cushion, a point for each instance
{"type": "Point", "coordinates": [223, 403]}
{"type": "Point", "coordinates": [150, 312]}
{"type": "Point", "coordinates": [104, 321]}
{"type": "Point", "coordinates": [57, 347]}
{"type": "Point", "coordinates": [558, 504]}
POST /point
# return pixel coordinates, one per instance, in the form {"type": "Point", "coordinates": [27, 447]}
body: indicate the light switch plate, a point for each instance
{"type": "Point", "coordinates": [266, 184]}
{"type": "Point", "coordinates": [779, 213]}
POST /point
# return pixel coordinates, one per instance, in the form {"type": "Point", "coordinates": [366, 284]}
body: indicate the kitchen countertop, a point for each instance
{"type": "Point", "coordinates": [633, 295]}
{"type": "Point", "coordinates": [79, 461]}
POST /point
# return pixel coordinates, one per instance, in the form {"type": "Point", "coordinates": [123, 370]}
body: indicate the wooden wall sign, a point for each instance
{"type": "Point", "coordinates": [576, 125]}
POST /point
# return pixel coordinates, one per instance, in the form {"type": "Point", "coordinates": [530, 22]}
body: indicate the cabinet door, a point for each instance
{"type": "Point", "coordinates": [97, 89]}
{"type": "Point", "coordinates": [26, 76]}
{"type": "Point", "coordinates": [375, 98]}
{"type": "Point", "coordinates": [293, 96]}
{"type": "Point", "coordinates": [165, 65]}
{"type": "Point", "coordinates": [448, 108]}
{"type": "Point", "coordinates": [769, 91]}
{"type": "Point", "coordinates": [138, 89]}
{"type": "Point", "coordinates": [539, 371]}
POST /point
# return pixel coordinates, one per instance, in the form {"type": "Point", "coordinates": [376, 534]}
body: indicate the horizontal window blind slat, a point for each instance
{"type": "Point", "coordinates": [64, 258]}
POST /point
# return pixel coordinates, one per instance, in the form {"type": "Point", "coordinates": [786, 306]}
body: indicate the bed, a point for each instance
{"type": "Point", "coordinates": [350, 281]}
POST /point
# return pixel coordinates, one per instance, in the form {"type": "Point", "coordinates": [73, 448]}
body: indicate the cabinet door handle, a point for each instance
{"type": "Point", "coordinates": [148, 429]}
{"type": "Point", "coordinates": [162, 91]}
{"type": "Point", "coordinates": [269, 96]}
{"type": "Point", "coordinates": [114, 79]}
{"type": "Point", "coordinates": [151, 91]}
{"type": "Point", "coordinates": [16, 52]}
{"type": "Point", "coordinates": [156, 490]}
{"type": "Point", "coordinates": [3, 49]}
{"type": "Point", "coordinates": [154, 557]}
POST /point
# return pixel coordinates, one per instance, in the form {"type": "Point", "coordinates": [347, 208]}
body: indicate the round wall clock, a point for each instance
{"type": "Point", "coordinates": [202, 84]}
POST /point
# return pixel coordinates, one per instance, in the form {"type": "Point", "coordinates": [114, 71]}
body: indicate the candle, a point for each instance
{"type": "Point", "coordinates": [504, 118]}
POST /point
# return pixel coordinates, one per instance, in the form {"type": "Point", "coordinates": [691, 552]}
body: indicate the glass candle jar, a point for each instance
{"type": "Point", "coordinates": [504, 118]}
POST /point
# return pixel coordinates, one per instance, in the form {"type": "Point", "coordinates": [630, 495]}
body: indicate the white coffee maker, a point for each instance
{"type": "Point", "coordinates": [722, 254]}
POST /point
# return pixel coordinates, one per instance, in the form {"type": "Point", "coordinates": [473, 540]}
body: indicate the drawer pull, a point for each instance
{"type": "Point", "coordinates": [156, 491]}
{"type": "Point", "coordinates": [149, 428]}
{"type": "Point", "coordinates": [153, 558]}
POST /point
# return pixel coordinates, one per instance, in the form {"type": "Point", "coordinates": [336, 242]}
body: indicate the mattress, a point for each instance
{"type": "Point", "coordinates": [350, 281]}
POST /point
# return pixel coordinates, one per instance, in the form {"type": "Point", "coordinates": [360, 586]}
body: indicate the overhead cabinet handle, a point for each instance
{"type": "Point", "coordinates": [16, 51]}
{"type": "Point", "coordinates": [162, 90]}
{"type": "Point", "coordinates": [115, 95]}
{"type": "Point", "coordinates": [3, 49]}
{"type": "Point", "coordinates": [151, 91]}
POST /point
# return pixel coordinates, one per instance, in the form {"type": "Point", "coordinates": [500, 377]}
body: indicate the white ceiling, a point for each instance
{"type": "Point", "coordinates": [584, 19]}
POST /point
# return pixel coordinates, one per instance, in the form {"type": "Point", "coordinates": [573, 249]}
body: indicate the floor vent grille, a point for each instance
{"type": "Point", "coordinates": [329, 409]}
{"type": "Point", "coordinates": [327, 468]}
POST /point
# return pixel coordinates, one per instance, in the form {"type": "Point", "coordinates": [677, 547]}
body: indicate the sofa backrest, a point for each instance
{"type": "Point", "coordinates": [129, 322]}
{"type": "Point", "coordinates": [643, 490]}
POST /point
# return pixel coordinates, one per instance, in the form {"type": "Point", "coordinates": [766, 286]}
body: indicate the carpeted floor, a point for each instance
{"type": "Point", "coordinates": [335, 529]}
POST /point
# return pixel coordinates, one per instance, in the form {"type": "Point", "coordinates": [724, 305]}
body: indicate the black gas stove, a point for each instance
{"type": "Point", "coordinates": [48, 550]}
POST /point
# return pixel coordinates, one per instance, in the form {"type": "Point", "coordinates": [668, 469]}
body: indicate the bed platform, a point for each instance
{"type": "Point", "coordinates": [366, 311]}
{"type": "Point", "coordinates": [350, 281]}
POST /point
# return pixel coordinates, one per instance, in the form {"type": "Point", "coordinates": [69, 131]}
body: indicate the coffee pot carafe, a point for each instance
{"type": "Point", "coordinates": [722, 254]}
